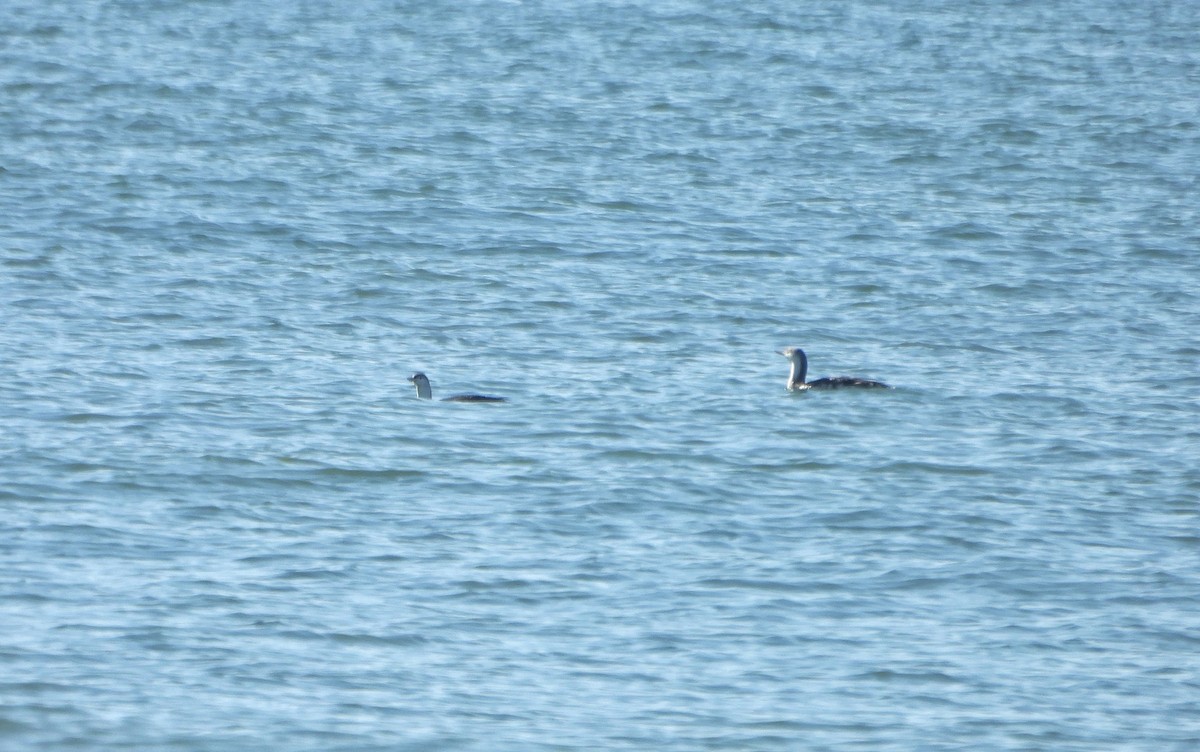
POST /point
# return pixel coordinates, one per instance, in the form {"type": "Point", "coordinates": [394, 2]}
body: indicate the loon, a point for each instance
{"type": "Point", "coordinates": [424, 391]}
{"type": "Point", "coordinates": [796, 382]}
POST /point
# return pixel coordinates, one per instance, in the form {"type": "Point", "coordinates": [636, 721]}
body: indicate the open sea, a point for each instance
{"type": "Point", "coordinates": [231, 229]}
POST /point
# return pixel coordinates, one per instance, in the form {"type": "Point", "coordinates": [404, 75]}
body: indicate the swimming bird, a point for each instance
{"type": "Point", "coordinates": [424, 391]}
{"type": "Point", "coordinates": [796, 382]}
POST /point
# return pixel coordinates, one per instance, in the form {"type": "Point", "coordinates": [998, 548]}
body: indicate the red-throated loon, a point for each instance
{"type": "Point", "coordinates": [796, 382]}
{"type": "Point", "coordinates": [424, 391]}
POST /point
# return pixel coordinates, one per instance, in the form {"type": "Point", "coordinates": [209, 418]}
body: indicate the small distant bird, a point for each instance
{"type": "Point", "coordinates": [424, 391]}
{"type": "Point", "coordinates": [796, 382]}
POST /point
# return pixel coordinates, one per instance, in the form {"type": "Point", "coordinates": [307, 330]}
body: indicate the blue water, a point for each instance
{"type": "Point", "coordinates": [229, 230]}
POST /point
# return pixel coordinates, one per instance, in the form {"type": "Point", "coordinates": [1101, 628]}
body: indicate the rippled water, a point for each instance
{"type": "Point", "coordinates": [230, 230]}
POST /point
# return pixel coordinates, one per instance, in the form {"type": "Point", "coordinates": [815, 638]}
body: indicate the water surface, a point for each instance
{"type": "Point", "coordinates": [229, 231]}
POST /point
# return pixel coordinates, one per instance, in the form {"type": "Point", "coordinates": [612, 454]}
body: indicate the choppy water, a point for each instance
{"type": "Point", "coordinates": [229, 230]}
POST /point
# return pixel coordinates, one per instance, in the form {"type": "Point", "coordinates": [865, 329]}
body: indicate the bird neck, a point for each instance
{"type": "Point", "coordinates": [799, 369]}
{"type": "Point", "coordinates": [423, 389]}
